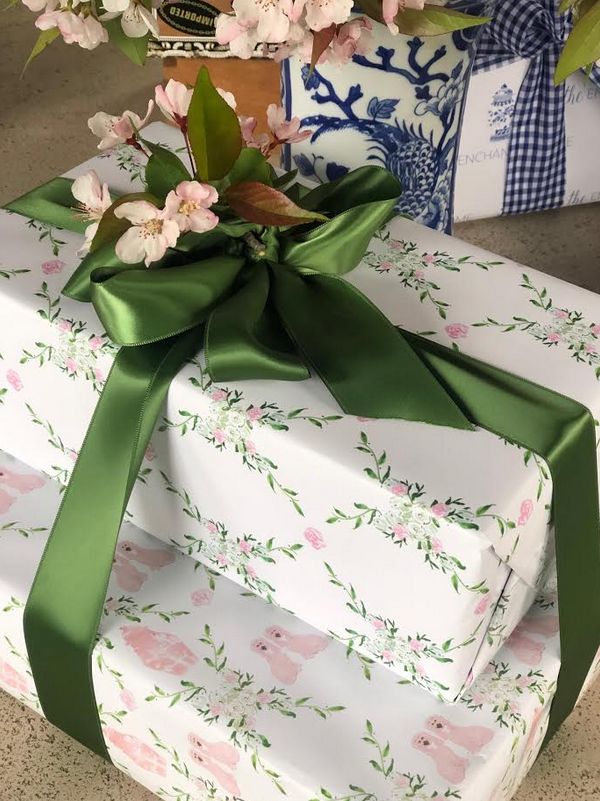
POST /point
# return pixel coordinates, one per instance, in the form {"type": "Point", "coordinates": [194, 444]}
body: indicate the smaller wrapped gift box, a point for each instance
{"type": "Point", "coordinates": [486, 133]}
{"type": "Point", "coordinates": [207, 692]}
{"type": "Point", "coordinates": [418, 546]}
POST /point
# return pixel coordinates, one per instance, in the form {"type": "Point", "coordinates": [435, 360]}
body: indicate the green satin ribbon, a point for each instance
{"type": "Point", "coordinates": [280, 316]}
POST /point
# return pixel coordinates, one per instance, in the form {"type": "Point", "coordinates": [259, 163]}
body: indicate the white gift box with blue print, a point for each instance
{"type": "Point", "coordinates": [420, 547]}
{"type": "Point", "coordinates": [525, 144]}
{"type": "Point", "coordinates": [207, 694]}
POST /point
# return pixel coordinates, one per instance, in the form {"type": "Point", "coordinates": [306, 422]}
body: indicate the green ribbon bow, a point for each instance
{"type": "Point", "coordinates": [272, 303]}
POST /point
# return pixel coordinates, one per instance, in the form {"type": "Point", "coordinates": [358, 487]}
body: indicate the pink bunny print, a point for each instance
{"type": "Point", "coordinates": [140, 754]}
{"type": "Point", "coordinates": [524, 648]}
{"type": "Point", "coordinates": [449, 765]}
{"type": "Point", "coordinates": [544, 626]}
{"type": "Point", "coordinates": [282, 667]}
{"type": "Point", "coordinates": [159, 650]}
{"type": "Point", "coordinates": [209, 755]}
{"type": "Point", "coordinates": [306, 645]}
{"type": "Point", "coordinates": [22, 483]}
{"type": "Point", "coordinates": [12, 678]}
{"type": "Point", "coordinates": [154, 558]}
{"type": "Point", "coordinates": [128, 577]}
{"type": "Point", "coordinates": [472, 738]}
{"type": "Point", "coordinates": [6, 501]}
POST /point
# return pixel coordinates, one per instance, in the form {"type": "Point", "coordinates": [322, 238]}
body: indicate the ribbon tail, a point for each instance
{"type": "Point", "coordinates": [367, 366]}
{"type": "Point", "coordinates": [244, 338]}
{"type": "Point", "coordinates": [562, 431]}
{"type": "Point", "coordinates": [65, 605]}
{"type": "Point", "coordinates": [51, 203]}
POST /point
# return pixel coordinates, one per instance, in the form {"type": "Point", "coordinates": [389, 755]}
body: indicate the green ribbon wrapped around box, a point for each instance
{"type": "Point", "coordinates": [273, 303]}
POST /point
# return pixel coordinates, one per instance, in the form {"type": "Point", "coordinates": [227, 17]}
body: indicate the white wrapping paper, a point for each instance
{"type": "Point", "coordinates": [207, 692]}
{"type": "Point", "coordinates": [418, 546]}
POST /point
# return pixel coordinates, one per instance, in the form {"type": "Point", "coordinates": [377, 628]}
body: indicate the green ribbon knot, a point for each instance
{"type": "Point", "coordinates": [273, 303]}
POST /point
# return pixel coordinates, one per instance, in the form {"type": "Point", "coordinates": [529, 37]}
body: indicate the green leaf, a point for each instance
{"type": "Point", "coordinates": [164, 171]}
{"type": "Point", "coordinates": [214, 130]}
{"type": "Point", "coordinates": [251, 165]}
{"type": "Point", "coordinates": [582, 46]}
{"type": "Point", "coordinates": [264, 205]}
{"type": "Point", "coordinates": [283, 180]}
{"type": "Point", "coordinates": [111, 227]}
{"type": "Point", "coordinates": [435, 20]}
{"type": "Point", "coordinates": [44, 39]}
{"type": "Point", "coordinates": [135, 49]}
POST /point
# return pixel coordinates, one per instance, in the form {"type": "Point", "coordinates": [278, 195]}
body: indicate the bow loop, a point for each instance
{"type": "Point", "coordinates": [527, 28]}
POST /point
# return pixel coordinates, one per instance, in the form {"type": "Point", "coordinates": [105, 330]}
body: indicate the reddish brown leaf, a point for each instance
{"type": "Point", "coordinates": [263, 205]}
{"type": "Point", "coordinates": [321, 41]}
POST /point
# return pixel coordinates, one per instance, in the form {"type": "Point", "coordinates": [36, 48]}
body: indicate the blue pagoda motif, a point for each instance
{"type": "Point", "coordinates": [501, 112]}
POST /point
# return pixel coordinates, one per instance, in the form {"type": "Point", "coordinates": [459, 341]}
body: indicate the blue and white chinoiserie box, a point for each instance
{"type": "Point", "coordinates": [419, 547]}
{"type": "Point", "coordinates": [208, 693]}
{"type": "Point", "coordinates": [400, 106]}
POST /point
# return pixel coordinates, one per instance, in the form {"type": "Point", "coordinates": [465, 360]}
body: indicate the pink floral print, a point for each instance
{"type": "Point", "coordinates": [138, 752]}
{"type": "Point", "coordinates": [306, 645]}
{"type": "Point", "coordinates": [159, 650]}
{"type": "Point", "coordinates": [472, 738]}
{"type": "Point", "coordinates": [21, 482]}
{"type": "Point", "coordinates": [457, 330]}
{"type": "Point", "coordinates": [314, 538]}
{"type": "Point", "coordinates": [6, 501]}
{"type": "Point", "coordinates": [202, 597]}
{"type": "Point", "coordinates": [52, 266]}
{"type": "Point", "coordinates": [11, 678]}
{"type": "Point", "coordinates": [282, 667]}
{"type": "Point", "coordinates": [525, 513]}
{"type": "Point", "coordinates": [154, 558]}
{"type": "Point", "coordinates": [127, 575]}
{"type": "Point", "coordinates": [14, 379]}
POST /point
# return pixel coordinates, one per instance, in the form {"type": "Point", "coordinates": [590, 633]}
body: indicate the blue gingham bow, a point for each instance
{"type": "Point", "coordinates": [536, 161]}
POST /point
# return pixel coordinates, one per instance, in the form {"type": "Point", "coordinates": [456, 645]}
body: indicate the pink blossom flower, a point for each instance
{"type": "Point", "coordinates": [248, 126]}
{"type": "Point", "coordinates": [415, 645]}
{"type": "Point", "coordinates": [228, 97]}
{"type": "Point", "coordinates": [378, 624]}
{"type": "Point", "coordinates": [483, 604]}
{"type": "Point", "coordinates": [523, 681]}
{"type": "Point", "coordinates": [251, 571]}
{"type": "Point", "coordinates": [401, 781]}
{"type": "Point", "coordinates": [189, 206]}
{"type": "Point", "coordinates": [250, 447]}
{"type": "Point", "coordinates": [118, 130]}
{"type": "Point", "coordinates": [387, 656]}
{"type": "Point", "coordinates": [421, 670]}
{"type": "Point", "coordinates": [419, 274]}
{"type": "Point", "coordinates": [589, 348]}
{"type": "Point", "coordinates": [202, 597]}
{"type": "Point", "coordinates": [65, 326]}
{"type": "Point", "coordinates": [93, 197]}
{"type": "Point", "coordinates": [514, 707]}
{"type": "Point", "coordinates": [399, 532]}
{"type": "Point", "coordinates": [255, 21]}
{"type": "Point", "coordinates": [526, 512]}
{"type": "Point", "coordinates": [136, 19]}
{"type": "Point", "coordinates": [245, 547]}
{"type": "Point", "coordinates": [285, 130]}
{"type": "Point", "coordinates": [264, 698]}
{"type": "Point", "coordinates": [436, 546]}
{"type": "Point", "coordinates": [71, 365]}
{"type": "Point", "coordinates": [352, 39]}
{"type": "Point", "coordinates": [73, 455]}
{"type": "Point", "coordinates": [230, 677]}
{"type": "Point", "coordinates": [457, 330]}
{"type": "Point", "coordinates": [150, 453]}
{"type": "Point", "coordinates": [210, 526]}
{"type": "Point", "coordinates": [85, 31]}
{"type": "Point", "coordinates": [152, 231]}
{"type": "Point", "coordinates": [222, 559]}
{"type": "Point", "coordinates": [321, 14]}
{"type": "Point", "coordinates": [98, 374]}
{"type": "Point", "coordinates": [128, 699]}
{"type": "Point", "coordinates": [560, 314]}
{"type": "Point", "coordinates": [218, 395]}
{"type": "Point", "coordinates": [478, 698]}
{"type": "Point", "coordinates": [596, 330]}
{"type": "Point", "coordinates": [386, 266]}
{"type": "Point", "coordinates": [219, 436]}
{"type": "Point", "coordinates": [174, 101]}
{"type": "Point", "coordinates": [440, 509]}
{"type": "Point", "coordinates": [254, 413]}
{"type": "Point", "coordinates": [53, 266]}
{"type": "Point", "coordinates": [314, 537]}
{"type": "Point", "coordinates": [553, 336]}
{"type": "Point", "coordinates": [96, 343]}
{"type": "Point", "coordinates": [428, 258]}
{"type": "Point", "coordinates": [14, 379]}
{"type": "Point", "coordinates": [215, 709]}
{"type": "Point", "coordinates": [397, 244]}
{"type": "Point", "coordinates": [399, 489]}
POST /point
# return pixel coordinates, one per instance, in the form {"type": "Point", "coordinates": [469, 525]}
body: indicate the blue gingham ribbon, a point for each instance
{"type": "Point", "coordinates": [537, 157]}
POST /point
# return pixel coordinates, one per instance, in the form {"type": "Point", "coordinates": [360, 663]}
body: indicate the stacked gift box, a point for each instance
{"type": "Point", "coordinates": [304, 600]}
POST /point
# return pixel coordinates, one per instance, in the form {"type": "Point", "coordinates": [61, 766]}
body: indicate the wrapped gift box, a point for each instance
{"type": "Point", "coordinates": [364, 528]}
{"type": "Point", "coordinates": [205, 692]}
{"type": "Point", "coordinates": [486, 132]}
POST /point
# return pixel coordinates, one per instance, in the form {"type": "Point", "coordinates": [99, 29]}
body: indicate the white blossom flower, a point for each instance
{"type": "Point", "coordinates": [189, 206]}
{"type": "Point", "coordinates": [94, 199]}
{"type": "Point", "coordinates": [151, 232]}
{"type": "Point", "coordinates": [117, 130]}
